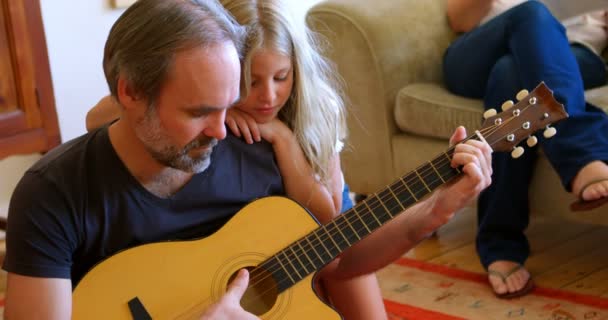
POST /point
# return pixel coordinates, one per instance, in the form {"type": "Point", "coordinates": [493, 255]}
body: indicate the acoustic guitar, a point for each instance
{"type": "Point", "coordinates": [280, 243]}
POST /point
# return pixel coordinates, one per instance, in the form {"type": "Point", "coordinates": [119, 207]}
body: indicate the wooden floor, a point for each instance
{"type": "Point", "coordinates": [565, 254]}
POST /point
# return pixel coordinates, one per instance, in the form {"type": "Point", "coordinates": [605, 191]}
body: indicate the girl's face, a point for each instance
{"type": "Point", "coordinates": [271, 85]}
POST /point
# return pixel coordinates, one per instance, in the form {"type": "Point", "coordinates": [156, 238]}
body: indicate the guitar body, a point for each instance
{"type": "Point", "coordinates": [180, 279]}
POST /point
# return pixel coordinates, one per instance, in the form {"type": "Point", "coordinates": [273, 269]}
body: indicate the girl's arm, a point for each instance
{"type": "Point", "coordinates": [464, 15]}
{"type": "Point", "coordinates": [105, 111]}
{"type": "Point", "coordinates": [298, 177]}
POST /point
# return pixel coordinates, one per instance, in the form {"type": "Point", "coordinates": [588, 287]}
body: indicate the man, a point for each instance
{"type": "Point", "coordinates": [159, 173]}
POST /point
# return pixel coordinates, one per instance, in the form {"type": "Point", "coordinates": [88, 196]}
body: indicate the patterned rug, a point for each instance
{"type": "Point", "coordinates": [416, 290]}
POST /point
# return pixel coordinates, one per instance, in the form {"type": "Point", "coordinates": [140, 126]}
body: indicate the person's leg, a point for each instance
{"type": "Point", "coordinates": [503, 212]}
{"type": "Point", "coordinates": [580, 149]}
{"type": "Point", "coordinates": [535, 39]}
{"type": "Point", "coordinates": [538, 44]}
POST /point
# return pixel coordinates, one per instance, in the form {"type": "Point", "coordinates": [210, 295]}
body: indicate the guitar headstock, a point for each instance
{"type": "Point", "coordinates": [535, 110]}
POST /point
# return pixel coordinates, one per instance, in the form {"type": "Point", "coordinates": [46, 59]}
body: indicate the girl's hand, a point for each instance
{"type": "Point", "coordinates": [243, 125]}
{"type": "Point", "coordinates": [273, 130]}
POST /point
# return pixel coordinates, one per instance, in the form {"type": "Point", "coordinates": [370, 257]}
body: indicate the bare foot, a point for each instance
{"type": "Point", "coordinates": [594, 171]}
{"type": "Point", "coordinates": [510, 281]}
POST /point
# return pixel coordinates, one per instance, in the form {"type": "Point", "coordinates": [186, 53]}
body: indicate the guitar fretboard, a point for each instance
{"type": "Point", "coordinates": [315, 250]}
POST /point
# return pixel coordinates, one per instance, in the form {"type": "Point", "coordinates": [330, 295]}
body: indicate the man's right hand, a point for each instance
{"type": "Point", "coordinates": [229, 306]}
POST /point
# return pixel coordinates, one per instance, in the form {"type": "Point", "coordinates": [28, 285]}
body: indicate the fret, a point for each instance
{"type": "Point", "coordinates": [396, 199]}
{"type": "Point", "coordinates": [408, 189]}
{"type": "Point", "coordinates": [372, 211]}
{"type": "Point", "coordinates": [451, 172]}
{"type": "Point", "coordinates": [292, 266]}
{"type": "Point", "coordinates": [351, 226]}
{"type": "Point", "coordinates": [389, 203]}
{"type": "Point", "coordinates": [369, 222]}
{"type": "Point", "coordinates": [432, 179]}
{"type": "Point", "coordinates": [313, 248]}
{"type": "Point", "coordinates": [284, 269]}
{"type": "Point", "coordinates": [323, 244]}
{"type": "Point", "coordinates": [340, 231]}
{"type": "Point", "coordinates": [432, 166]}
{"type": "Point", "coordinates": [300, 261]}
{"type": "Point", "coordinates": [447, 156]}
{"type": "Point", "coordinates": [306, 254]}
{"type": "Point", "coordinates": [335, 231]}
{"type": "Point", "coordinates": [361, 219]}
{"type": "Point", "coordinates": [331, 238]}
{"type": "Point", "coordinates": [416, 185]}
{"type": "Point", "coordinates": [358, 224]}
{"type": "Point", "coordinates": [422, 180]}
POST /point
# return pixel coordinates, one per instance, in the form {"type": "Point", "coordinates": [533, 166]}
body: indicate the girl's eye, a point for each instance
{"type": "Point", "coordinates": [281, 78]}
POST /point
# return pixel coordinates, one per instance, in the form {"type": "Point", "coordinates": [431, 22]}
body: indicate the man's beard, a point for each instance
{"type": "Point", "coordinates": [154, 138]}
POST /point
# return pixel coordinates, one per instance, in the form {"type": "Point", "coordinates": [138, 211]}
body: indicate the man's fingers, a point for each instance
{"type": "Point", "coordinates": [237, 288]}
{"type": "Point", "coordinates": [458, 135]}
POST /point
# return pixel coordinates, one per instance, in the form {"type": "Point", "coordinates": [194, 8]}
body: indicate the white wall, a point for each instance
{"type": "Point", "coordinates": [76, 32]}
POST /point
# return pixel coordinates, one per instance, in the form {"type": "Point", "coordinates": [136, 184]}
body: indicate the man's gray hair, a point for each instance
{"type": "Point", "coordinates": [144, 40]}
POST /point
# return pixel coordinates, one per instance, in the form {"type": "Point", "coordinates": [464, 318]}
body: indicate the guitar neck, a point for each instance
{"type": "Point", "coordinates": [316, 249]}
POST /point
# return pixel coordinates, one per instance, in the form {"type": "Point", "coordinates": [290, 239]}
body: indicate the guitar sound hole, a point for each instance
{"type": "Point", "coordinates": [262, 292]}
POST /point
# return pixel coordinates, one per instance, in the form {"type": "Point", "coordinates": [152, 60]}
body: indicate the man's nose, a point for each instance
{"type": "Point", "coordinates": [215, 126]}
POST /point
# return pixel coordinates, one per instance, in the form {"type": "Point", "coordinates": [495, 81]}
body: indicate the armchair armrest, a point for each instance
{"type": "Point", "coordinates": [379, 47]}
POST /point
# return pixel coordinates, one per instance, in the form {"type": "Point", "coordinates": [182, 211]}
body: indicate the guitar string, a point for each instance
{"type": "Point", "coordinates": [367, 213]}
{"type": "Point", "coordinates": [304, 257]}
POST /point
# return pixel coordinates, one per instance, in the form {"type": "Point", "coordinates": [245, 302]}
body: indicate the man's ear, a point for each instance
{"type": "Point", "coordinates": [126, 95]}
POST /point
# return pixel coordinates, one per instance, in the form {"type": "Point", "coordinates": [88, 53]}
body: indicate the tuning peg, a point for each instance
{"type": "Point", "coordinates": [521, 94]}
{"type": "Point", "coordinates": [549, 132]}
{"type": "Point", "coordinates": [517, 152]}
{"type": "Point", "coordinates": [508, 104]}
{"type": "Point", "coordinates": [532, 141]}
{"type": "Point", "coordinates": [489, 113]}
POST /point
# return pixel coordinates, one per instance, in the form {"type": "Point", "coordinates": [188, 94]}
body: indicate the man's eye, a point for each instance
{"type": "Point", "coordinates": [198, 114]}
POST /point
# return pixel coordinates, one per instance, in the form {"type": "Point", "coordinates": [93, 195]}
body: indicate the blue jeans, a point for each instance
{"type": "Point", "coordinates": [518, 49]}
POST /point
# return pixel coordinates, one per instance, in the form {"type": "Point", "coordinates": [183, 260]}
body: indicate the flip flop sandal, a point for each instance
{"type": "Point", "coordinates": [504, 276]}
{"type": "Point", "coordinates": [582, 205]}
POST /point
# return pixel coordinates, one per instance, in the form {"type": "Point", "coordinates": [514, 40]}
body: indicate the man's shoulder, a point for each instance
{"type": "Point", "coordinates": [237, 145]}
{"type": "Point", "coordinates": [70, 156]}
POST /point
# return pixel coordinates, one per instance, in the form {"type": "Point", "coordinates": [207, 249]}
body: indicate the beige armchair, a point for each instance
{"type": "Point", "coordinates": [389, 54]}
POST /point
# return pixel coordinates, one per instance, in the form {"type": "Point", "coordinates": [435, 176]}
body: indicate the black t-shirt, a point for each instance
{"type": "Point", "coordinates": [79, 204]}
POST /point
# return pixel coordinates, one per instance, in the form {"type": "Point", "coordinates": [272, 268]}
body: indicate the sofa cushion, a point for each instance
{"type": "Point", "coordinates": [430, 110]}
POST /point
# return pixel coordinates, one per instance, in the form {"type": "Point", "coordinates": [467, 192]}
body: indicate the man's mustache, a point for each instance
{"type": "Point", "coordinates": [201, 142]}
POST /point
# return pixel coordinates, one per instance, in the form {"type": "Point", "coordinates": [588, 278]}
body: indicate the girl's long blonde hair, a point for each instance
{"type": "Point", "coordinates": [315, 110]}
